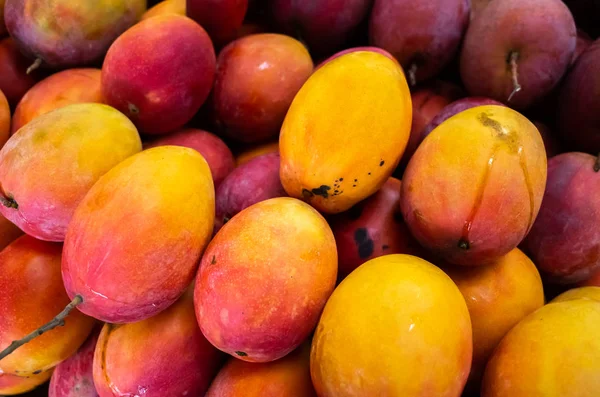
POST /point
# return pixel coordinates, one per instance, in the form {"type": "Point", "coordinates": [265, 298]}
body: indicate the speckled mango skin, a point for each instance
{"type": "Point", "coordinates": [31, 294]}
{"type": "Point", "coordinates": [553, 352]}
{"type": "Point", "coordinates": [165, 355]}
{"type": "Point", "coordinates": [474, 187]}
{"type": "Point", "coordinates": [11, 385]}
{"type": "Point", "coordinates": [51, 163]}
{"type": "Point", "coordinates": [134, 243]}
{"type": "Point", "coordinates": [287, 377]}
{"type": "Point", "coordinates": [67, 33]}
{"type": "Point", "coordinates": [345, 131]}
{"type": "Point", "coordinates": [61, 89]}
{"type": "Point", "coordinates": [397, 327]}
{"type": "Point", "coordinates": [265, 278]}
{"type": "Point", "coordinates": [498, 296]}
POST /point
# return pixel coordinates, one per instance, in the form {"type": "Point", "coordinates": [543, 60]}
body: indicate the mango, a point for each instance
{"type": "Point", "coordinates": [166, 7]}
{"type": "Point", "coordinates": [11, 385]}
{"type": "Point", "coordinates": [372, 228]}
{"type": "Point", "coordinates": [178, 72]}
{"type": "Point", "coordinates": [61, 89]}
{"type": "Point", "coordinates": [498, 296]}
{"type": "Point", "coordinates": [73, 377]}
{"type": "Point", "coordinates": [590, 292]}
{"type": "Point", "coordinates": [165, 355]}
{"type": "Point", "coordinates": [31, 294]}
{"type": "Point", "coordinates": [345, 131]}
{"type": "Point", "coordinates": [554, 351]}
{"type": "Point", "coordinates": [265, 278]}
{"type": "Point", "coordinates": [474, 187]}
{"type": "Point", "coordinates": [134, 243]}
{"type": "Point", "coordinates": [256, 81]}
{"type": "Point", "coordinates": [66, 33]}
{"type": "Point", "coordinates": [51, 163]}
{"type": "Point", "coordinates": [563, 241]}
{"type": "Point", "coordinates": [286, 377]}
{"type": "Point", "coordinates": [398, 327]}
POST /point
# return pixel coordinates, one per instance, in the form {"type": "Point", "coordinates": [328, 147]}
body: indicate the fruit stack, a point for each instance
{"type": "Point", "coordinates": [333, 198]}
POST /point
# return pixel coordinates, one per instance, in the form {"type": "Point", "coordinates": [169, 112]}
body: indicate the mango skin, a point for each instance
{"type": "Point", "coordinates": [498, 296]}
{"type": "Point", "coordinates": [165, 355]}
{"type": "Point", "coordinates": [589, 292]}
{"type": "Point", "coordinates": [73, 377]}
{"type": "Point", "coordinates": [58, 90]}
{"type": "Point", "coordinates": [31, 294]}
{"type": "Point", "coordinates": [174, 74]}
{"type": "Point", "coordinates": [286, 377]}
{"type": "Point", "coordinates": [11, 385]}
{"type": "Point", "coordinates": [51, 163]}
{"type": "Point", "coordinates": [336, 127]}
{"type": "Point", "coordinates": [65, 33]}
{"type": "Point", "coordinates": [398, 327]}
{"type": "Point", "coordinates": [474, 187]}
{"type": "Point", "coordinates": [372, 228]}
{"type": "Point", "coordinates": [140, 232]}
{"type": "Point", "coordinates": [553, 352]}
{"type": "Point", "coordinates": [259, 293]}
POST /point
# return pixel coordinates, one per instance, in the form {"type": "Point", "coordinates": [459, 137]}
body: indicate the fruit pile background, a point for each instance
{"type": "Point", "coordinates": [300, 198]}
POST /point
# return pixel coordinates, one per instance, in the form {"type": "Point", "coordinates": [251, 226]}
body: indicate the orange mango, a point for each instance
{"type": "Point", "coordinates": [135, 241]}
{"type": "Point", "coordinates": [498, 296]}
{"type": "Point", "coordinates": [287, 377]}
{"type": "Point", "coordinates": [60, 89]}
{"type": "Point", "coordinates": [553, 352]}
{"type": "Point", "coordinates": [51, 163]}
{"type": "Point", "coordinates": [265, 278]}
{"type": "Point", "coordinates": [345, 131]}
{"type": "Point", "coordinates": [474, 187]}
{"type": "Point", "coordinates": [398, 327]}
{"type": "Point", "coordinates": [31, 294]}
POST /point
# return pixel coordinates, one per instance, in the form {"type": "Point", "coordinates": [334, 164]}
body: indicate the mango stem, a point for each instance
{"type": "Point", "coordinates": [57, 321]}
{"type": "Point", "coordinates": [36, 64]}
{"type": "Point", "coordinates": [412, 75]}
{"type": "Point", "coordinates": [597, 164]}
{"type": "Point", "coordinates": [514, 69]}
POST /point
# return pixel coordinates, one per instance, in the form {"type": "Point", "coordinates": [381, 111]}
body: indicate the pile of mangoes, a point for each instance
{"type": "Point", "coordinates": [283, 198]}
